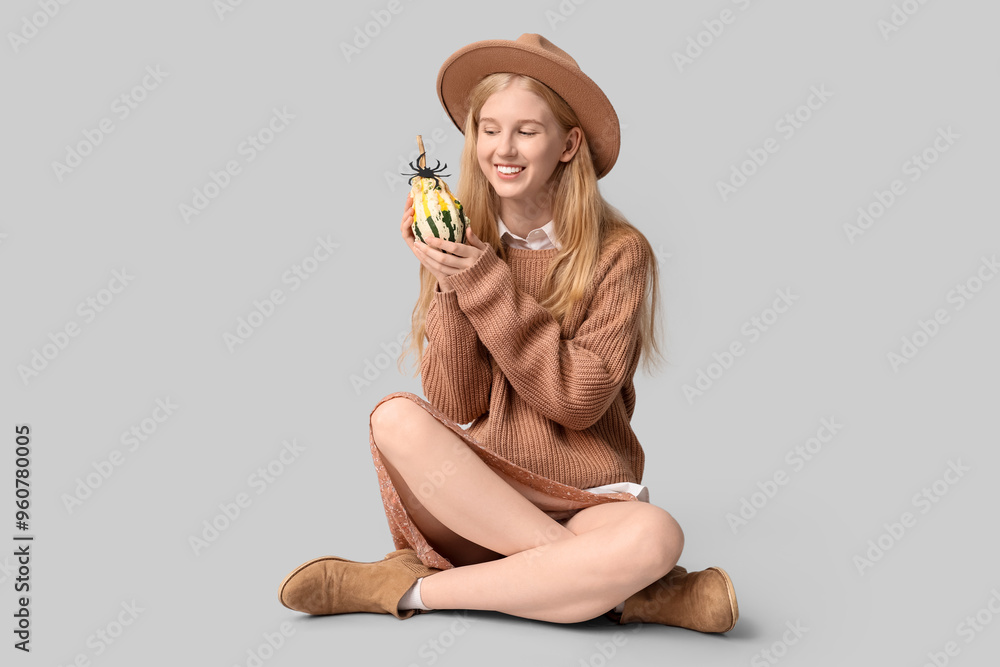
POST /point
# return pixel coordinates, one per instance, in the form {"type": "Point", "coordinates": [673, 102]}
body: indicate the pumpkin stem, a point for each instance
{"type": "Point", "coordinates": [423, 158]}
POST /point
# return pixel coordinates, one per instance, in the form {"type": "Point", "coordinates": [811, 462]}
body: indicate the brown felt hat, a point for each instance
{"type": "Point", "coordinates": [537, 57]}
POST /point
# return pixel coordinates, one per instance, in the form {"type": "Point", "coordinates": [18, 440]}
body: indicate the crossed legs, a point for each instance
{"type": "Point", "coordinates": [510, 556]}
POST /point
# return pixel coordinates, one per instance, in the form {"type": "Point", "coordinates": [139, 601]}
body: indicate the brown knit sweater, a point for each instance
{"type": "Point", "coordinates": [555, 400]}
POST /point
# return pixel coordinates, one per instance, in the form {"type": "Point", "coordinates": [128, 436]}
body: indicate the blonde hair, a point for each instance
{"type": "Point", "coordinates": [583, 220]}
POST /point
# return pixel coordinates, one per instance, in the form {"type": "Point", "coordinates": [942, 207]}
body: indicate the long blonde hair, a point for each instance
{"type": "Point", "coordinates": [583, 220]}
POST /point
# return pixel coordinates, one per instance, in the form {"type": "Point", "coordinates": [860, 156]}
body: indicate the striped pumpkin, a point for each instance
{"type": "Point", "coordinates": [436, 211]}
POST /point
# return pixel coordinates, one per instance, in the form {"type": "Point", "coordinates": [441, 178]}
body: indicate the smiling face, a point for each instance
{"type": "Point", "coordinates": [519, 144]}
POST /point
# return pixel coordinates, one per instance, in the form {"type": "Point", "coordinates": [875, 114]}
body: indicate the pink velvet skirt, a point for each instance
{"type": "Point", "coordinates": [406, 534]}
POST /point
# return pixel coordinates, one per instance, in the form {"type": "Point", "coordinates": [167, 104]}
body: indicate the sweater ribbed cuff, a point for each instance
{"type": "Point", "coordinates": [472, 284]}
{"type": "Point", "coordinates": [447, 302]}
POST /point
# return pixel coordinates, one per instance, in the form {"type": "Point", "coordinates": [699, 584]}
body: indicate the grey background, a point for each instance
{"type": "Point", "coordinates": [324, 175]}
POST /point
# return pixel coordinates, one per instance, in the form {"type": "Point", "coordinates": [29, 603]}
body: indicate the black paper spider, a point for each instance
{"type": "Point", "coordinates": [426, 172]}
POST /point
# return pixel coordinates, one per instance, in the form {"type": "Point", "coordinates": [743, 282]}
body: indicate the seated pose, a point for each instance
{"type": "Point", "coordinates": [535, 323]}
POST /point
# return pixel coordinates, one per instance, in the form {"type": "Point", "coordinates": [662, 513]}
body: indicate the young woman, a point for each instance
{"type": "Point", "coordinates": [534, 326]}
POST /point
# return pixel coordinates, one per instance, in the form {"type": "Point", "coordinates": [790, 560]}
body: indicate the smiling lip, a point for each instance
{"type": "Point", "coordinates": [509, 176]}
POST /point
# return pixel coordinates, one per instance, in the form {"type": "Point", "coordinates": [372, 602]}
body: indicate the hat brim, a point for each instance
{"type": "Point", "coordinates": [467, 66]}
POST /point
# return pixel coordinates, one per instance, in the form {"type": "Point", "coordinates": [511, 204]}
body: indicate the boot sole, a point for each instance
{"type": "Point", "coordinates": [732, 597]}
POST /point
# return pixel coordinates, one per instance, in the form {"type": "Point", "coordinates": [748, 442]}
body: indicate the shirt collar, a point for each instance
{"type": "Point", "coordinates": [548, 235]}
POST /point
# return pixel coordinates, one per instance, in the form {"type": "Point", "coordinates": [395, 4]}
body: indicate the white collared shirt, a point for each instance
{"type": "Point", "coordinates": [538, 239]}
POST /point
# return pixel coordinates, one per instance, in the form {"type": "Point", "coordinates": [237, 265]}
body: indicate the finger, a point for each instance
{"type": "Point", "coordinates": [442, 251]}
{"type": "Point", "coordinates": [445, 246]}
{"type": "Point", "coordinates": [406, 225]}
{"type": "Point", "coordinates": [408, 206]}
{"type": "Point", "coordinates": [423, 254]}
{"type": "Point", "coordinates": [427, 256]}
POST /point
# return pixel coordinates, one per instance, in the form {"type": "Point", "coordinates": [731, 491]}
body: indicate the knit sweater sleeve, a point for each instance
{"type": "Point", "coordinates": [571, 381]}
{"type": "Point", "coordinates": [455, 369]}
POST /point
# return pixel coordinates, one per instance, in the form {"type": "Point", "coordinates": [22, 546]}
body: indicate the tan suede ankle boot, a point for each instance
{"type": "Point", "coordinates": [704, 601]}
{"type": "Point", "coordinates": [332, 585]}
{"type": "Point", "coordinates": [616, 616]}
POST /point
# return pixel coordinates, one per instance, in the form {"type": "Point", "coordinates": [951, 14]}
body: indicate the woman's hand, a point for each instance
{"type": "Point", "coordinates": [434, 254]}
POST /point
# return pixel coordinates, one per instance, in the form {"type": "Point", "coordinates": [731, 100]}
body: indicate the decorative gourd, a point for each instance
{"type": "Point", "coordinates": [436, 212]}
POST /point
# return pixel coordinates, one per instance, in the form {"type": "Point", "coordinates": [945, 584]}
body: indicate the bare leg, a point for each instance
{"type": "Point", "coordinates": [454, 485]}
{"type": "Point", "coordinates": [616, 554]}
{"type": "Point", "coordinates": [552, 572]}
{"type": "Point", "coordinates": [445, 541]}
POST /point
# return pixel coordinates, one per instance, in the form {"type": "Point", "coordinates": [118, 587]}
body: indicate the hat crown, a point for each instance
{"type": "Point", "coordinates": [542, 45]}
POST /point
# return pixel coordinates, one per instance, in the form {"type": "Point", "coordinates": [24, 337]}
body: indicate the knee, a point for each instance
{"type": "Point", "coordinates": [389, 421]}
{"type": "Point", "coordinates": [654, 539]}
{"type": "Point", "coordinates": [402, 428]}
